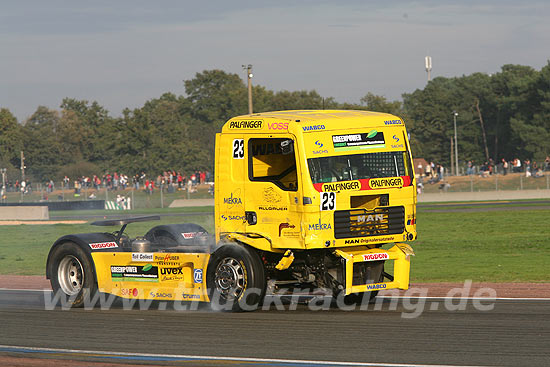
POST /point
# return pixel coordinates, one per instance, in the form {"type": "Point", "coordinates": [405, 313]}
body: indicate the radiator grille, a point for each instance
{"type": "Point", "coordinates": [365, 223]}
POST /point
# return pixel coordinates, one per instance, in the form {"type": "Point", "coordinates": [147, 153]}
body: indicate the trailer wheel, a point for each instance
{"type": "Point", "coordinates": [72, 275]}
{"type": "Point", "coordinates": [235, 279]}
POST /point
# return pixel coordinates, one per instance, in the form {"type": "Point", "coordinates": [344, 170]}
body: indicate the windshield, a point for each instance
{"type": "Point", "coordinates": [359, 166]}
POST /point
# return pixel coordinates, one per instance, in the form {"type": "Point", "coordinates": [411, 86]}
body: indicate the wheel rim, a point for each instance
{"type": "Point", "coordinates": [70, 275]}
{"type": "Point", "coordinates": [230, 278]}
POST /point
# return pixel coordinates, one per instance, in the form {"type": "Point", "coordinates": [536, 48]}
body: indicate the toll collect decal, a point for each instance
{"type": "Point", "coordinates": [134, 273]}
{"type": "Point", "coordinates": [364, 184]}
{"type": "Point", "coordinates": [371, 140]}
{"type": "Point", "coordinates": [142, 256]}
{"type": "Point", "coordinates": [103, 245]}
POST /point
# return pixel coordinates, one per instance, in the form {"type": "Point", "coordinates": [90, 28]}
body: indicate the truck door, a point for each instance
{"type": "Point", "coordinates": [272, 206]}
{"type": "Point", "coordinates": [230, 178]}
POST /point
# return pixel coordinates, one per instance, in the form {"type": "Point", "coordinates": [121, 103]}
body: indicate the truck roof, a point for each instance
{"type": "Point", "coordinates": [309, 120]}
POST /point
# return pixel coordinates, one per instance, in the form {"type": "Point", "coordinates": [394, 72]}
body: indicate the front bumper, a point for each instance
{"type": "Point", "coordinates": [400, 254]}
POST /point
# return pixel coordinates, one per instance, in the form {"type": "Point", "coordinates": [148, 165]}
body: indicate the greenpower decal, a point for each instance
{"type": "Point", "coordinates": [134, 273]}
{"type": "Point", "coordinates": [147, 267]}
{"type": "Point", "coordinates": [372, 140]}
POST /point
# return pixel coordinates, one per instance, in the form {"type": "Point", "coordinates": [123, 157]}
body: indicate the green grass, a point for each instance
{"type": "Point", "coordinates": [491, 246]}
{"type": "Point", "coordinates": [495, 246]}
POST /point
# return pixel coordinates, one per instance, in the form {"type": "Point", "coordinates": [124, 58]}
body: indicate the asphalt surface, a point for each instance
{"type": "Point", "coordinates": [513, 333]}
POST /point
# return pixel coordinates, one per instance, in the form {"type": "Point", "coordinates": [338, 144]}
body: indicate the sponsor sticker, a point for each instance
{"type": "Point", "coordinates": [372, 139]}
{"type": "Point", "coordinates": [272, 208]}
{"type": "Point", "coordinates": [246, 124]}
{"type": "Point", "coordinates": [186, 296]}
{"type": "Point", "coordinates": [197, 275]}
{"type": "Point", "coordinates": [272, 196]}
{"type": "Point", "coordinates": [142, 256]}
{"type": "Point", "coordinates": [160, 295]}
{"type": "Point", "coordinates": [393, 122]}
{"type": "Point", "coordinates": [319, 226]}
{"type": "Point", "coordinates": [162, 258]}
{"type": "Point", "coordinates": [376, 286]}
{"type": "Point", "coordinates": [341, 186]}
{"type": "Point", "coordinates": [130, 292]}
{"type": "Point", "coordinates": [231, 201]}
{"type": "Point", "coordinates": [102, 245]}
{"type": "Point", "coordinates": [146, 273]}
{"type": "Point", "coordinates": [233, 217]}
{"type": "Point", "coordinates": [277, 125]}
{"type": "Point", "coordinates": [285, 225]}
{"type": "Point", "coordinates": [384, 183]}
{"type": "Point", "coordinates": [313, 128]}
{"type": "Point", "coordinates": [376, 256]}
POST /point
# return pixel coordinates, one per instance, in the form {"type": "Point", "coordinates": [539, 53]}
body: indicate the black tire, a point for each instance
{"type": "Point", "coordinates": [71, 273]}
{"type": "Point", "coordinates": [235, 278]}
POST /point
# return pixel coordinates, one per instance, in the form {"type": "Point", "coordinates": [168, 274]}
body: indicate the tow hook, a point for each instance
{"type": "Point", "coordinates": [286, 260]}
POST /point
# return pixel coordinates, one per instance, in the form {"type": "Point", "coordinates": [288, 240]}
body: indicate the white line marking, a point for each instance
{"type": "Point", "coordinates": [472, 298]}
{"type": "Point", "coordinates": [383, 297]}
{"type": "Point", "coordinates": [215, 358]}
{"type": "Point", "coordinates": [25, 290]}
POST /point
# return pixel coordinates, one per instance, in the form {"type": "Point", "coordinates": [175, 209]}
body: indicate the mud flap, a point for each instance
{"type": "Point", "coordinates": [359, 260]}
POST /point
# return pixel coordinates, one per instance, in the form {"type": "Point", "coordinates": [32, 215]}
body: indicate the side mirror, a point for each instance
{"type": "Point", "coordinates": [287, 146]}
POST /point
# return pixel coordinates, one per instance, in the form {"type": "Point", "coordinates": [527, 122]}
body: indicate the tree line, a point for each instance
{"type": "Point", "coordinates": [503, 115]}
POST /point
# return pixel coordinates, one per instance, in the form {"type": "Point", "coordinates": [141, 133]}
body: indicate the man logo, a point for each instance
{"type": "Point", "coordinates": [370, 218]}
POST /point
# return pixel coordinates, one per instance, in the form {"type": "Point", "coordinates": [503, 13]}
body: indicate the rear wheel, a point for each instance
{"type": "Point", "coordinates": [235, 278]}
{"type": "Point", "coordinates": [71, 273]}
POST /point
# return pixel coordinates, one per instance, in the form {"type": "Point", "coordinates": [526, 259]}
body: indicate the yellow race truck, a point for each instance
{"type": "Point", "coordinates": [303, 199]}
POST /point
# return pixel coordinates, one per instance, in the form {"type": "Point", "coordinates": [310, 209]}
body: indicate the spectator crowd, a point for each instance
{"type": "Point", "coordinates": [169, 181]}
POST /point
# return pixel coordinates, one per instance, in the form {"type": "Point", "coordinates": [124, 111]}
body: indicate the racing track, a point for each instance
{"type": "Point", "coordinates": [514, 333]}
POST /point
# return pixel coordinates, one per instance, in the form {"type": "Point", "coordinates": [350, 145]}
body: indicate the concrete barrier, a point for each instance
{"type": "Point", "coordinates": [24, 213]}
{"type": "Point", "coordinates": [182, 203]}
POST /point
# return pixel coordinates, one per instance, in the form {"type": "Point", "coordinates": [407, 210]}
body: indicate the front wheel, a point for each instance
{"type": "Point", "coordinates": [71, 273]}
{"type": "Point", "coordinates": [235, 278]}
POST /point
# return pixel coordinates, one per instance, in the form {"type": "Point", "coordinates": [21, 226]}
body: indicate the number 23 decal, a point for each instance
{"type": "Point", "coordinates": [328, 201]}
{"type": "Point", "coordinates": [238, 148]}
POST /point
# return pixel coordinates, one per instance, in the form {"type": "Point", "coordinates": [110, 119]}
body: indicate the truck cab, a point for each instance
{"type": "Point", "coordinates": [304, 182]}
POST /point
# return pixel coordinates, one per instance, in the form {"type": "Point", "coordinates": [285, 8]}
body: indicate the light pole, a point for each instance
{"type": "Point", "coordinates": [428, 62]}
{"type": "Point", "coordinates": [249, 75]}
{"type": "Point", "coordinates": [455, 114]}
{"type": "Point", "coordinates": [3, 188]}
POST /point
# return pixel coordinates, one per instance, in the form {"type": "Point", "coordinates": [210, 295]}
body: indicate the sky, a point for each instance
{"type": "Point", "coordinates": [122, 53]}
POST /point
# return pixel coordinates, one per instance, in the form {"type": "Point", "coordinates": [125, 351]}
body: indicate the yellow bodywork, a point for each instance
{"type": "Point", "coordinates": [287, 213]}
{"type": "Point", "coordinates": [159, 276]}
{"type": "Point", "coordinates": [400, 254]}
